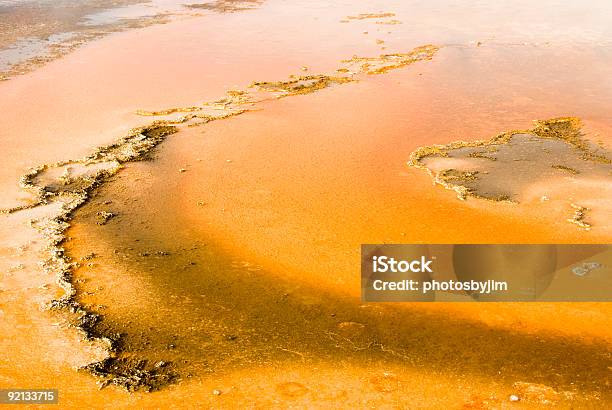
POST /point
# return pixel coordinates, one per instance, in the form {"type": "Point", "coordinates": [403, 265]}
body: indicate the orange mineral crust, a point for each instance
{"type": "Point", "coordinates": [184, 204]}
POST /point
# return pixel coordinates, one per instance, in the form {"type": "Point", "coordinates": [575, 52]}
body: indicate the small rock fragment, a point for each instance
{"type": "Point", "coordinates": [104, 217]}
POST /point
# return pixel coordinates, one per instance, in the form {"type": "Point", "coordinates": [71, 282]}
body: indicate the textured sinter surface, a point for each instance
{"type": "Point", "coordinates": [503, 168]}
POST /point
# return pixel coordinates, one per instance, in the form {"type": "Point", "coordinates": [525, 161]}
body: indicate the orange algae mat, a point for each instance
{"type": "Point", "coordinates": [226, 269]}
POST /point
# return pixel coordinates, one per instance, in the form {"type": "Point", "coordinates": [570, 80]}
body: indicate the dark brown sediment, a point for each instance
{"type": "Point", "coordinates": [364, 16]}
{"type": "Point", "coordinates": [226, 6]}
{"type": "Point", "coordinates": [387, 62]}
{"type": "Point", "coordinates": [300, 85]}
